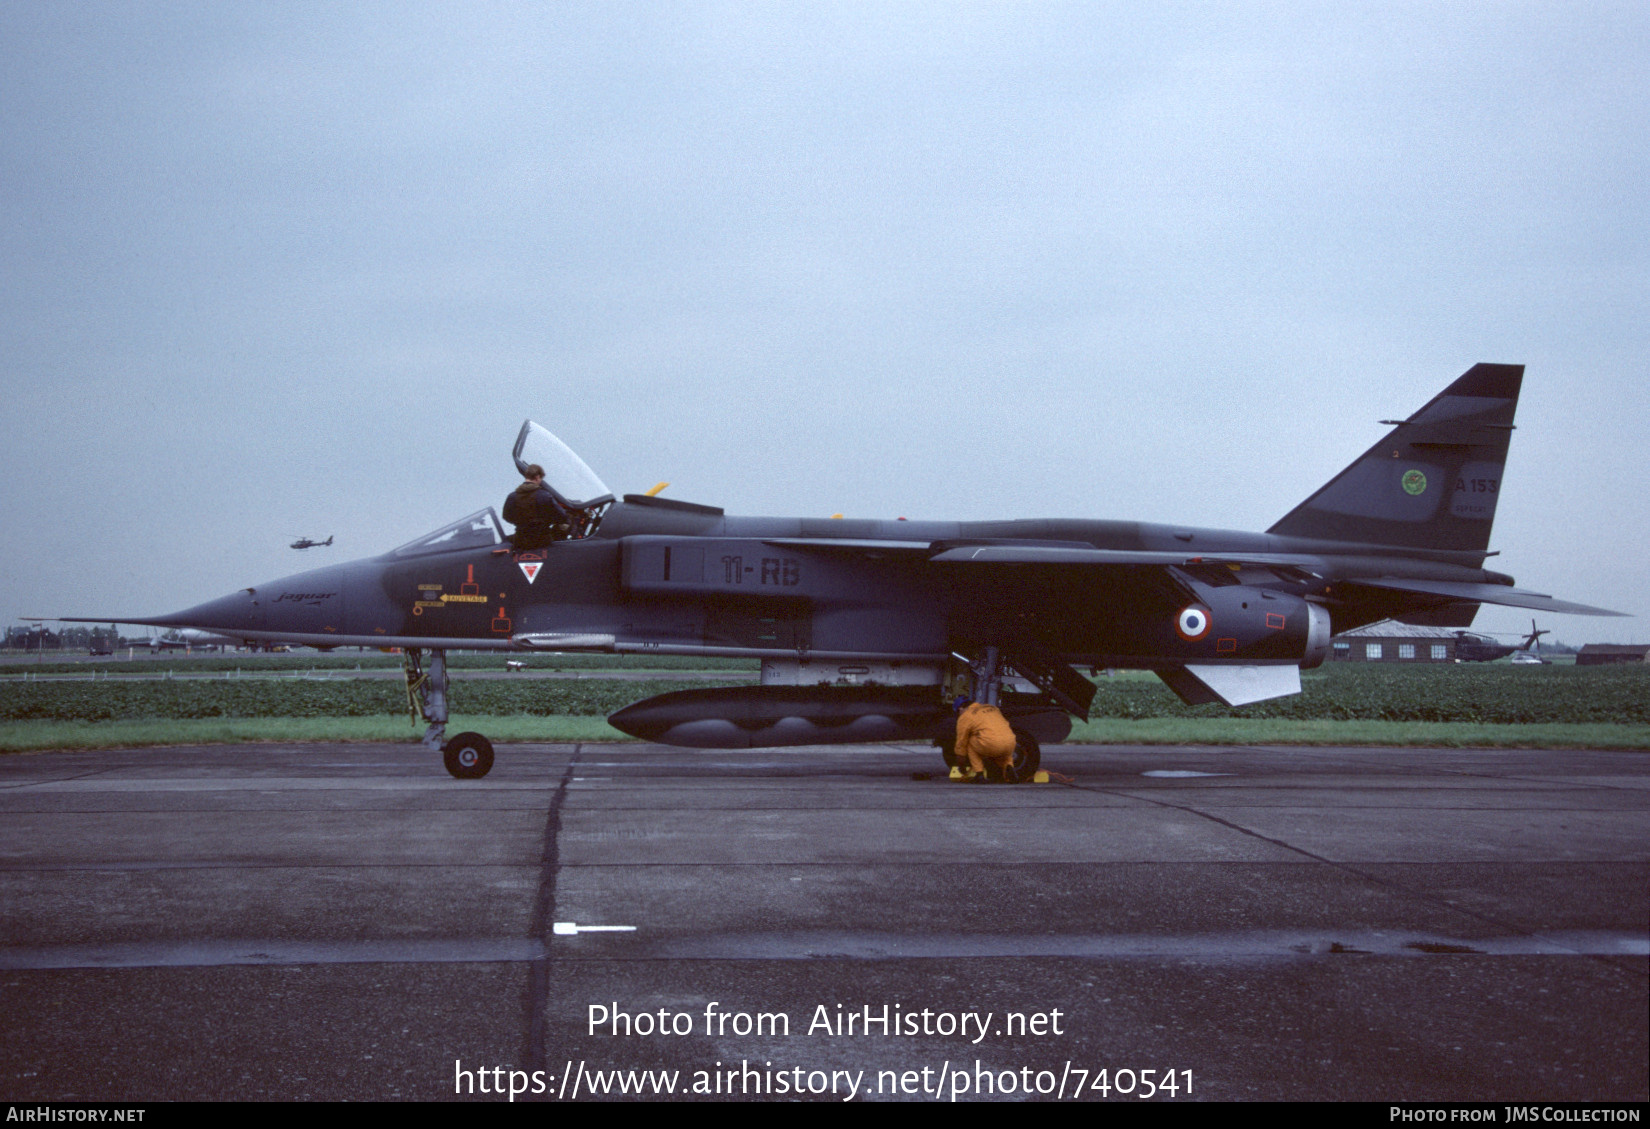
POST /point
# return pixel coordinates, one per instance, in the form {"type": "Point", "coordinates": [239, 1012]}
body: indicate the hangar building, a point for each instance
{"type": "Point", "coordinates": [1601, 654]}
{"type": "Point", "coordinates": [1391, 641]}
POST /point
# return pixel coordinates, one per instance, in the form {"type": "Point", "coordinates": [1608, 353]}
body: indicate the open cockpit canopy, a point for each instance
{"type": "Point", "coordinates": [567, 476]}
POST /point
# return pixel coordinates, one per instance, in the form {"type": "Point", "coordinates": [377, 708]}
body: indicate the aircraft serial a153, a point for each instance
{"type": "Point", "coordinates": [867, 629]}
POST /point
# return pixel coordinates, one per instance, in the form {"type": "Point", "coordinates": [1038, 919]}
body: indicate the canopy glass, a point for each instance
{"type": "Point", "coordinates": [574, 483]}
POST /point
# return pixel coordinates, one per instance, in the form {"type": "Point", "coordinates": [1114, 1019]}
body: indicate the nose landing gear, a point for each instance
{"type": "Point", "coordinates": [468, 756]}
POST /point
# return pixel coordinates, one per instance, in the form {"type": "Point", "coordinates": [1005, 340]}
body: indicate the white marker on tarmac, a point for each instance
{"type": "Point", "coordinates": [572, 928]}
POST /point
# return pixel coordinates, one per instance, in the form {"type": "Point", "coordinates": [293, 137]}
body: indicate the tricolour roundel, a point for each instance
{"type": "Point", "coordinates": [1192, 623]}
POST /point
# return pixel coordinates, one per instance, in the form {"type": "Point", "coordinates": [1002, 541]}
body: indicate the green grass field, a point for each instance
{"type": "Point", "coordinates": [1343, 703]}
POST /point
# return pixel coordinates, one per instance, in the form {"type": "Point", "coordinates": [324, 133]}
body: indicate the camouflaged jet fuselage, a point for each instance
{"type": "Point", "coordinates": [858, 619]}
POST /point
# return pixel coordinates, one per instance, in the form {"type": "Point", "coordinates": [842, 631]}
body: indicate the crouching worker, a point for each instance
{"type": "Point", "coordinates": [983, 738]}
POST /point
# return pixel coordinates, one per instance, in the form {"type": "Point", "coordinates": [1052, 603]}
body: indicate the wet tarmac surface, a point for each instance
{"type": "Point", "coordinates": [346, 921]}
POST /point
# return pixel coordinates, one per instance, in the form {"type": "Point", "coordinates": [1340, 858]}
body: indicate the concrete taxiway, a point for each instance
{"type": "Point", "coordinates": [346, 921]}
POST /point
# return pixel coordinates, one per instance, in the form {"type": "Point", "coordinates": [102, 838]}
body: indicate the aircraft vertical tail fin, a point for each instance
{"type": "Point", "coordinates": [1432, 483]}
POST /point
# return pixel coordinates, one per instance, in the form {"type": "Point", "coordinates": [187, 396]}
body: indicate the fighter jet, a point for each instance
{"type": "Point", "coordinates": [867, 630]}
{"type": "Point", "coordinates": [306, 543]}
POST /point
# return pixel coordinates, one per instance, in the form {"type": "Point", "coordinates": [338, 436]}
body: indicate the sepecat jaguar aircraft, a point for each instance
{"type": "Point", "coordinates": [867, 630]}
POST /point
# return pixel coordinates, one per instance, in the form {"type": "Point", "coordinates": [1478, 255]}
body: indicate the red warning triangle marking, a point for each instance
{"type": "Point", "coordinates": [530, 569]}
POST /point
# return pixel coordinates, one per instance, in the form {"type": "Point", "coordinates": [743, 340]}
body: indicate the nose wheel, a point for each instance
{"type": "Point", "coordinates": [469, 756]}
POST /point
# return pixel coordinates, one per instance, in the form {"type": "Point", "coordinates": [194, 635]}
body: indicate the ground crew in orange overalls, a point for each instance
{"type": "Point", "coordinates": [984, 737]}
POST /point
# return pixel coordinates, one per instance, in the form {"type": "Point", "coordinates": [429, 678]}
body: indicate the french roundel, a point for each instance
{"type": "Point", "coordinates": [1192, 623]}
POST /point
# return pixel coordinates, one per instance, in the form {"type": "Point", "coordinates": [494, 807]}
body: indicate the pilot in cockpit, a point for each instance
{"type": "Point", "coordinates": [565, 502]}
{"type": "Point", "coordinates": [535, 511]}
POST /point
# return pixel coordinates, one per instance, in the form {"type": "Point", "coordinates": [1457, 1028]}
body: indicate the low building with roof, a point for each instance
{"type": "Point", "coordinates": [1391, 641]}
{"type": "Point", "coordinates": [1605, 654]}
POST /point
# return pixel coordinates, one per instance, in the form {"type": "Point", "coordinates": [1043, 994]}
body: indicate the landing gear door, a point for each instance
{"type": "Point", "coordinates": [564, 472]}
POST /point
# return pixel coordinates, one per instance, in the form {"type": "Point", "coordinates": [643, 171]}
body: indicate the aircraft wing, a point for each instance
{"type": "Point", "coordinates": [1079, 555]}
{"type": "Point", "coordinates": [1031, 552]}
{"type": "Point", "coordinates": [1484, 594]}
{"type": "Point", "coordinates": [1454, 591]}
{"type": "Point", "coordinates": [849, 545]}
{"type": "Point", "coordinates": [1450, 590]}
{"type": "Point", "coordinates": [1062, 555]}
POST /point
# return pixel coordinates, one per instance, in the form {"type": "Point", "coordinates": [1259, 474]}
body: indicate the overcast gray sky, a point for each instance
{"type": "Point", "coordinates": [280, 270]}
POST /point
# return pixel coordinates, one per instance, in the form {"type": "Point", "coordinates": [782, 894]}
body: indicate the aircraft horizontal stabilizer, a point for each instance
{"type": "Point", "coordinates": [1202, 685]}
{"type": "Point", "coordinates": [1488, 594]}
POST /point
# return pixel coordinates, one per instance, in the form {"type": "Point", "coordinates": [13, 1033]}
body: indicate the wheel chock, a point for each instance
{"type": "Point", "coordinates": [1040, 777]}
{"type": "Point", "coordinates": [960, 773]}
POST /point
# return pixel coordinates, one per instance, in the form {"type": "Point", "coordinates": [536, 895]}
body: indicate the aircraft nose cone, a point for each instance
{"type": "Point", "coordinates": [309, 603]}
{"type": "Point", "coordinates": [238, 611]}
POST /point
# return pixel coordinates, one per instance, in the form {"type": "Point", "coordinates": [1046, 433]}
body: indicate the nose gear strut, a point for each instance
{"type": "Point", "coordinates": [427, 693]}
{"type": "Point", "coordinates": [468, 756]}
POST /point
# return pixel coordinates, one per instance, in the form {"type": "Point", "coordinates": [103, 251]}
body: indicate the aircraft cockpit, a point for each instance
{"type": "Point", "coordinates": [585, 496]}
{"type": "Point", "coordinates": [477, 531]}
{"type": "Point", "coordinates": [575, 486]}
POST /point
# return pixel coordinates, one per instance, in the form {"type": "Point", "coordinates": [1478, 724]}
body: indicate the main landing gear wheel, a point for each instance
{"type": "Point", "coordinates": [1028, 756]}
{"type": "Point", "coordinates": [469, 756]}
